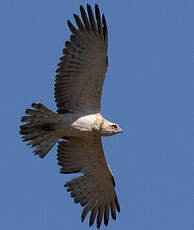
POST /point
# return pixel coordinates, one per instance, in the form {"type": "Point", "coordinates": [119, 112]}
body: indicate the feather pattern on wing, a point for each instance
{"type": "Point", "coordinates": [95, 189]}
{"type": "Point", "coordinates": [82, 68]}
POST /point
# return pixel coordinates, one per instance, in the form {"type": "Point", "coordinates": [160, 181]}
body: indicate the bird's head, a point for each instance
{"type": "Point", "coordinates": [108, 128]}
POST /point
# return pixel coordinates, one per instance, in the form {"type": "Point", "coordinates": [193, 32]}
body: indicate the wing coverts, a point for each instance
{"type": "Point", "coordinates": [82, 68]}
{"type": "Point", "coordinates": [95, 189]}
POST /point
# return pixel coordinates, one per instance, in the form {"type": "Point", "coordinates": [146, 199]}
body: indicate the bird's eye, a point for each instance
{"type": "Point", "coordinates": [114, 126]}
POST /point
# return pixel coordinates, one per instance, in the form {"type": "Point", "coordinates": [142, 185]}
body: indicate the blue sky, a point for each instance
{"type": "Point", "coordinates": [149, 91]}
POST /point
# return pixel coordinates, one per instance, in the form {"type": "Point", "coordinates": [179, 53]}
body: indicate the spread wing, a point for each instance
{"type": "Point", "coordinates": [95, 189]}
{"type": "Point", "coordinates": [82, 69]}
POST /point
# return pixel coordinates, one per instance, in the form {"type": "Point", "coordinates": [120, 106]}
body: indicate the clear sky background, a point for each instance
{"type": "Point", "coordinates": [149, 91]}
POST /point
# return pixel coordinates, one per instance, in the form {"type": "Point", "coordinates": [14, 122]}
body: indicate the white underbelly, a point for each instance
{"type": "Point", "coordinates": [77, 125]}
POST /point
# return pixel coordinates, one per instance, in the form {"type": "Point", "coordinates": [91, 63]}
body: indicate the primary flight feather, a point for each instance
{"type": "Point", "coordinates": [78, 124]}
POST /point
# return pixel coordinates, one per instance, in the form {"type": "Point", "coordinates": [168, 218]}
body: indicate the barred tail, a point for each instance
{"type": "Point", "coordinates": [38, 127]}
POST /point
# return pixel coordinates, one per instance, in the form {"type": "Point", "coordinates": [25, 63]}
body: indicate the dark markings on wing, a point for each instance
{"type": "Point", "coordinates": [82, 68]}
{"type": "Point", "coordinates": [94, 190]}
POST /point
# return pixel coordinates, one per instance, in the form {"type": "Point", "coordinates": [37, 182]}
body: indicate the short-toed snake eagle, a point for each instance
{"type": "Point", "coordinates": [78, 124]}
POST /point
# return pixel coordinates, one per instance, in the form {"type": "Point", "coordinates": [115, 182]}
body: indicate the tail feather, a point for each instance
{"type": "Point", "coordinates": [38, 127]}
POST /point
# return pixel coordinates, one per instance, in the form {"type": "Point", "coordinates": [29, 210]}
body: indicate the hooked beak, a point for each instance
{"type": "Point", "coordinates": [120, 131]}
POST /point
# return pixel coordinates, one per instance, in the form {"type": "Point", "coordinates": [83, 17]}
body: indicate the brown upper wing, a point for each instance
{"type": "Point", "coordinates": [82, 69]}
{"type": "Point", "coordinates": [95, 189]}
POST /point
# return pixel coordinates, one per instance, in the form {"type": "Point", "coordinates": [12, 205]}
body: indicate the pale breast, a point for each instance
{"type": "Point", "coordinates": [89, 123]}
{"type": "Point", "coordinates": [79, 124]}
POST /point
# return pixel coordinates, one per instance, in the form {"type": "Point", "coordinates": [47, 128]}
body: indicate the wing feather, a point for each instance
{"type": "Point", "coordinates": [106, 214]}
{"type": "Point", "coordinates": [94, 190]}
{"type": "Point", "coordinates": [98, 18]}
{"type": "Point", "coordinates": [85, 19]}
{"type": "Point", "coordinates": [72, 28]}
{"type": "Point", "coordinates": [79, 23]}
{"type": "Point", "coordinates": [82, 68]}
{"type": "Point", "coordinates": [92, 19]}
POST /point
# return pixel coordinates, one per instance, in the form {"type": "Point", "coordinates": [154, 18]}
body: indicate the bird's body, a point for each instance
{"type": "Point", "coordinates": [78, 124]}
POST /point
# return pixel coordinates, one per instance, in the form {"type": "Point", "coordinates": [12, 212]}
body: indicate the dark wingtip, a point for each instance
{"type": "Point", "coordinates": [105, 223]}
{"type": "Point", "coordinates": [97, 9]}
{"type": "Point", "coordinates": [89, 8]}
{"type": "Point", "coordinates": [96, 6]}
{"type": "Point", "coordinates": [117, 203]}
{"type": "Point", "coordinates": [118, 207]}
{"type": "Point", "coordinates": [104, 21]}
{"type": "Point", "coordinates": [114, 217]}
{"type": "Point", "coordinates": [81, 8]}
{"type": "Point", "coordinates": [68, 22]}
{"type": "Point", "coordinates": [98, 225]}
{"type": "Point", "coordinates": [83, 217]}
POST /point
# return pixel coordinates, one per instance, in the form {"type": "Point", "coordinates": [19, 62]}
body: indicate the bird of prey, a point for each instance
{"type": "Point", "coordinates": [78, 124]}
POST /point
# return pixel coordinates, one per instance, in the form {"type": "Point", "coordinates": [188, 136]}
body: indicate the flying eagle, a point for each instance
{"type": "Point", "coordinates": [78, 124]}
